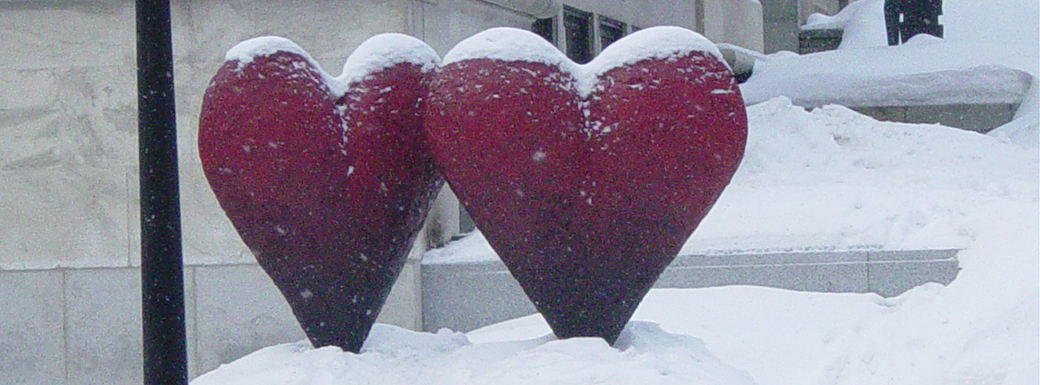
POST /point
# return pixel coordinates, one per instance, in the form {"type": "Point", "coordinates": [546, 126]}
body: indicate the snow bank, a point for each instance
{"type": "Point", "coordinates": [863, 23]}
{"type": "Point", "coordinates": [989, 55]}
{"type": "Point", "coordinates": [644, 354]}
{"type": "Point", "coordinates": [926, 71]}
{"type": "Point", "coordinates": [847, 182]}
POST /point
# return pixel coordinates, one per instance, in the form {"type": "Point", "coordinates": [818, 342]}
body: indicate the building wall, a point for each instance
{"type": "Point", "coordinates": [68, 118]}
{"type": "Point", "coordinates": [782, 20]}
{"type": "Point", "coordinates": [733, 22]}
{"type": "Point", "coordinates": [642, 13]}
{"type": "Point", "coordinates": [443, 23]}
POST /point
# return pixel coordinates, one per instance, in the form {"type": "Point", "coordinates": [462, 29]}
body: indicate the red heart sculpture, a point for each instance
{"type": "Point", "coordinates": [327, 180]}
{"type": "Point", "coordinates": [586, 180]}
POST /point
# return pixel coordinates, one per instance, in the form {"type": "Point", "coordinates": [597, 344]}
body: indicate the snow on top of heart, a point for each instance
{"type": "Point", "coordinates": [376, 53]}
{"type": "Point", "coordinates": [657, 43]}
{"type": "Point", "coordinates": [385, 50]}
{"type": "Point", "coordinates": [247, 51]}
{"type": "Point", "coordinates": [511, 44]}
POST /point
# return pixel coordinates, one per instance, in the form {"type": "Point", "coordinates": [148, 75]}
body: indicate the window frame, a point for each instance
{"type": "Point", "coordinates": [557, 29]}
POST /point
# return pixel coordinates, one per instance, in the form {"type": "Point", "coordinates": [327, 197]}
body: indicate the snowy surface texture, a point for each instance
{"type": "Point", "coordinates": [829, 178]}
{"type": "Point", "coordinates": [376, 53]}
{"type": "Point", "coordinates": [989, 55]}
{"type": "Point", "coordinates": [511, 44]}
{"type": "Point", "coordinates": [645, 354]}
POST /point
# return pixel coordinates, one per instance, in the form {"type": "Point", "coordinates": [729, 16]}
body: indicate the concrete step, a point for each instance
{"type": "Point", "coordinates": [467, 296]}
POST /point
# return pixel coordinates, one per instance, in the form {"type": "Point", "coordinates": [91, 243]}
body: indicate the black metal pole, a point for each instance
{"type": "Point", "coordinates": [162, 275]}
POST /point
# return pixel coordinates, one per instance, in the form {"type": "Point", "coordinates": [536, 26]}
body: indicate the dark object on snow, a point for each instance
{"type": "Point", "coordinates": [906, 18]}
{"type": "Point", "coordinates": [586, 199]}
{"type": "Point", "coordinates": [165, 353]}
{"type": "Point", "coordinates": [328, 190]}
{"type": "Point", "coordinates": [817, 40]}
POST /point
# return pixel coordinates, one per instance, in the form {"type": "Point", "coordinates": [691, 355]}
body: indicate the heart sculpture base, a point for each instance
{"type": "Point", "coordinates": [586, 180]}
{"type": "Point", "coordinates": [327, 180]}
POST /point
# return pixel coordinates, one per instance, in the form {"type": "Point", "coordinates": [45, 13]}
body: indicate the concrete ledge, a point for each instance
{"type": "Point", "coordinates": [973, 117]}
{"type": "Point", "coordinates": [83, 326]}
{"type": "Point", "coordinates": [467, 296]}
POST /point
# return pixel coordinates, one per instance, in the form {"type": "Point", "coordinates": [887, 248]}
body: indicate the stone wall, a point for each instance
{"type": "Point", "coordinates": [68, 117]}
{"type": "Point", "coordinates": [734, 22]}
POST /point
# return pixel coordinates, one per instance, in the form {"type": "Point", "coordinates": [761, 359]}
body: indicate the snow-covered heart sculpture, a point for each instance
{"type": "Point", "coordinates": [586, 179]}
{"type": "Point", "coordinates": [327, 180]}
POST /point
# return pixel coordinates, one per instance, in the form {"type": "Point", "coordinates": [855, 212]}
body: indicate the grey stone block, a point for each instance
{"type": "Point", "coordinates": [912, 255]}
{"type": "Point", "coordinates": [769, 259]}
{"type": "Point", "coordinates": [884, 113]}
{"type": "Point", "coordinates": [819, 40]}
{"type": "Point", "coordinates": [403, 305]}
{"type": "Point", "coordinates": [94, 33]}
{"type": "Point", "coordinates": [238, 310]}
{"type": "Point", "coordinates": [32, 343]}
{"type": "Point", "coordinates": [190, 307]}
{"type": "Point", "coordinates": [893, 273]}
{"type": "Point", "coordinates": [464, 297]}
{"type": "Point", "coordinates": [973, 117]}
{"type": "Point", "coordinates": [104, 326]}
{"type": "Point", "coordinates": [209, 236]}
{"type": "Point", "coordinates": [822, 272]}
{"type": "Point", "coordinates": [91, 205]}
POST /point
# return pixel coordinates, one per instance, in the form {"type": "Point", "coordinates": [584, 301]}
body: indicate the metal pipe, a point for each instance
{"type": "Point", "coordinates": [162, 275]}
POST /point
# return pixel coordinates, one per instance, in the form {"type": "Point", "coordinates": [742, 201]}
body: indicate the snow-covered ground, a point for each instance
{"type": "Point", "coordinates": [990, 54]}
{"type": "Point", "coordinates": [828, 178]}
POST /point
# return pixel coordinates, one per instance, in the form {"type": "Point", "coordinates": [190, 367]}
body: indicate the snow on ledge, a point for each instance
{"type": "Point", "coordinates": [511, 44]}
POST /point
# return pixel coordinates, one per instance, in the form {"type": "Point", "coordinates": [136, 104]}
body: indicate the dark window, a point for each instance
{"type": "Point", "coordinates": [584, 34]}
{"type": "Point", "coordinates": [610, 30]}
{"type": "Point", "coordinates": [545, 28]}
{"type": "Point", "coordinates": [578, 25]}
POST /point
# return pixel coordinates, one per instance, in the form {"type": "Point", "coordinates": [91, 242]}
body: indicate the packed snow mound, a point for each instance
{"type": "Point", "coordinates": [850, 182]}
{"type": "Point", "coordinates": [924, 73]}
{"type": "Point", "coordinates": [1006, 21]}
{"type": "Point", "coordinates": [988, 55]}
{"type": "Point", "coordinates": [644, 355]}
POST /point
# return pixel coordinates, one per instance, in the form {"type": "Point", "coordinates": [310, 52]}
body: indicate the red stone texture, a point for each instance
{"type": "Point", "coordinates": [328, 192]}
{"type": "Point", "coordinates": [587, 200]}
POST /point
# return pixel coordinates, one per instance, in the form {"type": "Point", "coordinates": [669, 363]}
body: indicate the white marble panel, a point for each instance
{"type": "Point", "coordinates": [32, 343]}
